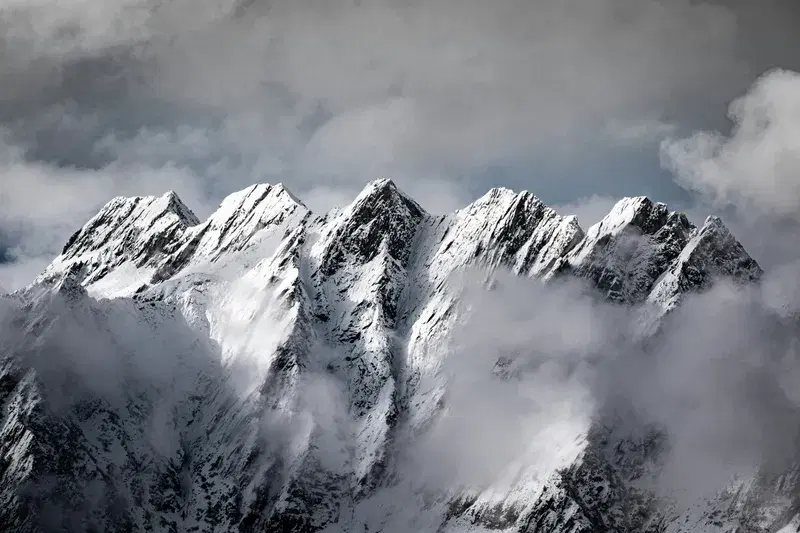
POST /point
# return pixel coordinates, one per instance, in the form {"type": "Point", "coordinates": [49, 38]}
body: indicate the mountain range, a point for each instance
{"type": "Point", "coordinates": [273, 369]}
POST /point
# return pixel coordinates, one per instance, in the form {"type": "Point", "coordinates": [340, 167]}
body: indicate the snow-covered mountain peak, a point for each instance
{"type": "Point", "coordinates": [632, 254]}
{"type": "Point", "coordinates": [499, 194]}
{"type": "Point", "coordinates": [175, 204]}
{"type": "Point", "coordinates": [506, 228]}
{"type": "Point", "coordinates": [136, 241]}
{"type": "Point", "coordinates": [637, 214]}
{"type": "Point", "coordinates": [383, 194]}
{"type": "Point", "coordinates": [382, 217]}
{"type": "Point", "coordinates": [711, 252]}
{"type": "Point", "coordinates": [715, 250]}
{"type": "Point", "coordinates": [137, 231]}
{"type": "Point", "coordinates": [262, 200]}
{"type": "Point", "coordinates": [308, 350]}
{"type": "Point", "coordinates": [240, 217]}
{"type": "Point", "coordinates": [123, 215]}
{"type": "Point", "coordinates": [633, 212]}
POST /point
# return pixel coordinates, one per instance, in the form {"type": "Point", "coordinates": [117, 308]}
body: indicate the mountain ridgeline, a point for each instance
{"type": "Point", "coordinates": [269, 368]}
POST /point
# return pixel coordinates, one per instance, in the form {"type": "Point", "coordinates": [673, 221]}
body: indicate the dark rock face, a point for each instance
{"type": "Point", "coordinates": [717, 253]}
{"type": "Point", "coordinates": [141, 230]}
{"type": "Point", "coordinates": [257, 371]}
{"type": "Point", "coordinates": [380, 216]}
{"type": "Point", "coordinates": [624, 262]}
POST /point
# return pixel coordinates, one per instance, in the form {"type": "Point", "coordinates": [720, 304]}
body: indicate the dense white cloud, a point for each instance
{"type": "Point", "coordinates": [717, 380]}
{"type": "Point", "coordinates": [757, 167]}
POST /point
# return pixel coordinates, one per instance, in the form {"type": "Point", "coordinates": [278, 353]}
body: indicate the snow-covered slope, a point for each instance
{"type": "Point", "coordinates": [269, 369]}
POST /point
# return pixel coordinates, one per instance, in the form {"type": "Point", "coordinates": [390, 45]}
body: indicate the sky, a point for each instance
{"type": "Point", "coordinates": [579, 102]}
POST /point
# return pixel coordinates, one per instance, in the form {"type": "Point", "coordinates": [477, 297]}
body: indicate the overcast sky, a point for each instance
{"type": "Point", "coordinates": [570, 99]}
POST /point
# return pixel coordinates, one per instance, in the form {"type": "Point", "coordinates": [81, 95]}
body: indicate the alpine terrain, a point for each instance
{"type": "Point", "coordinates": [275, 370]}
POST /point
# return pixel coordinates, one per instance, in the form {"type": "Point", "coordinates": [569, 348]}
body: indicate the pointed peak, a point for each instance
{"type": "Point", "coordinates": [262, 202]}
{"type": "Point", "coordinates": [382, 183]}
{"type": "Point", "coordinates": [280, 188]}
{"type": "Point", "coordinates": [174, 204]}
{"type": "Point", "coordinates": [712, 252]}
{"type": "Point", "coordinates": [714, 222]}
{"type": "Point", "coordinates": [720, 248]}
{"type": "Point", "coordinates": [714, 230]}
{"type": "Point", "coordinates": [499, 192]}
{"type": "Point", "coordinates": [498, 196]}
{"type": "Point", "coordinates": [378, 187]}
{"type": "Point", "coordinates": [255, 194]}
{"type": "Point", "coordinates": [635, 214]}
{"type": "Point", "coordinates": [167, 203]}
{"type": "Point", "coordinates": [384, 193]}
{"type": "Point", "coordinates": [129, 211]}
{"type": "Point", "coordinates": [138, 229]}
{"type": "Point", "coordinates": [637, 211]}
{"type": "Point", "coordinates": [631, 205]}
{"type": "Point", "coordinates": [382, 219]}
{"type": "Point", "coordinates": [505, 192]}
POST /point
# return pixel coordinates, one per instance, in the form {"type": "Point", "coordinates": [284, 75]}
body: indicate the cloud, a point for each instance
{"type": "Point", "coordinates": [756, 167]}
{"type": "Point", "coordinates": [638, 132]}
{"type": "Point", "coordinates": [530, 407]}
{"type": "Point", "coordinates": [207, 97]}
{"type": "Point", "coordinates": [360, 88]}
{"type": "Point", "coordinates": [330, 94]}
{"type": "Point", "coordinates": [531, 368]}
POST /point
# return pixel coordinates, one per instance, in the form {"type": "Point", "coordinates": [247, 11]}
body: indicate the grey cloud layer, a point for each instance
{"type": "Point", "coordinates": [138, 96]}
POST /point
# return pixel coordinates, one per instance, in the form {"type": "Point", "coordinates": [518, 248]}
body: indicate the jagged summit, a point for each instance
{"type": "Point", "coordinates": [266, 319]}
{"type": "Point", "coordinates": [123, 214]}
{"type": "Point", "coordinates": [136, 231]}
{"type": "Point", "coordinates": [134, 241]}
{"type": "Point", "coordinates": [176, 205]}
{"type": "Point", "coordinates": [711, 252]}
{"type": "Point", "coordinates": [382, 195]}
{"type": "Point", "coordinates": [146, 240]}
{"type": "Point", "coordinates": [284, 190]}
{"type": "Point", "coordinates": [381, 217]}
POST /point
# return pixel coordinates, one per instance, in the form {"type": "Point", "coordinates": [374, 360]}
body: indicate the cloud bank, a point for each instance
{"type": "Point", "coordinates": [716, 380]}
{"type": "Point", "coordinates": [139, 96]}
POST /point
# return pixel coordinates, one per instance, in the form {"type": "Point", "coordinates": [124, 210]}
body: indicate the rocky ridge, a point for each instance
{"type": "Point", "coordinates": [262, 370]}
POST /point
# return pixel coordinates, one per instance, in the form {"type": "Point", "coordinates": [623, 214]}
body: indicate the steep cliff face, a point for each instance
{"type": "Point", "coordinates": [264, 370]}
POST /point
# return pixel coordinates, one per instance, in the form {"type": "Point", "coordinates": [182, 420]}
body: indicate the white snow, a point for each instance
{"type": "Point", "coordinates": [246, 309]}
